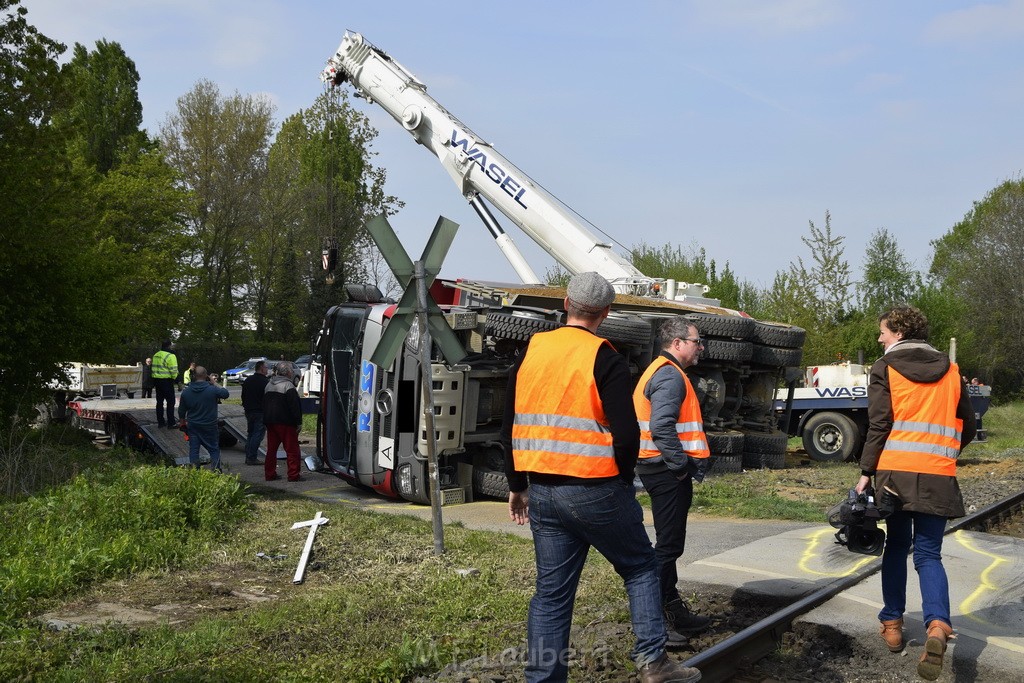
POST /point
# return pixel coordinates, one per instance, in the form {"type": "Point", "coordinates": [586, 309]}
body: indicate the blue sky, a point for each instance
{"type": "Point", "coordinates": [727, 124]}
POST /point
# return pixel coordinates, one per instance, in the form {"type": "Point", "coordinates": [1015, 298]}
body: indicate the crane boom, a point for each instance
{"type": "Point", "coordinates": [477, 168]}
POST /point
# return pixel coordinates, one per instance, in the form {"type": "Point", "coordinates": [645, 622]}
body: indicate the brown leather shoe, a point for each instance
{"type": "Point", "coordinates": [665, 670]}
{"type": "Point", "coordinates": [930, 665]}
{"type": "Point", "coordinates": [892, 634]}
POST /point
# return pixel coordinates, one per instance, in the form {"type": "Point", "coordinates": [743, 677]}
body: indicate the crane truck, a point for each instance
{"type": "Point", "coordinates": [371, 428]}
{"type": "Point", "coordinates": [830, 411]}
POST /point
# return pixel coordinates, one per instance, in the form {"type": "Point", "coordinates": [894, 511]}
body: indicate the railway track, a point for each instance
{"type": "Point", "coordinates": [724, 660]}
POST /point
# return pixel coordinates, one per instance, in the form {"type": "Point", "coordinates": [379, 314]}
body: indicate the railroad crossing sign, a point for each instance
{"type": "Point", "coordinates": [406, 273]}
{"type": "Point", "coordinates": [416, 301]}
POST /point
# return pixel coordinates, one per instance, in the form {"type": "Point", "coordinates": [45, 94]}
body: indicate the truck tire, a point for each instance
{"type": "Point", "coordinates": [487, 482]}
{"type": "Point", "coordinates": [725, 442]}
{"type": "Point", "coordinates": [765, 449]}
{"type": "Point", "coordinates": [764, 461]}
{"type": "Point", "coordinates": [778, 334]}
{"type": "Point", "coordinates": [831, 437]}
{"type": "Point", "coordinates": [625, 329]}
{"type": "Point", "coordinates": [777, 356]}
{"type": "Point", "coordinates": [711, 325]}
{"type": "Point", "coordinates": [722, 464]}
{"type": "Point", "coordinates": [516, 327]}
{"type": "Point", "coordinates": [720, 349]}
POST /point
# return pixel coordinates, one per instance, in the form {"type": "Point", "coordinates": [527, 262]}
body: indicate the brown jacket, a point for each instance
{"type": "Point", "coordinates": [929, 493]}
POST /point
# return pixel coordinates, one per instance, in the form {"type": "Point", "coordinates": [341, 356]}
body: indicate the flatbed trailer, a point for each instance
{"type": "Point", "coordinates": [132, 422]}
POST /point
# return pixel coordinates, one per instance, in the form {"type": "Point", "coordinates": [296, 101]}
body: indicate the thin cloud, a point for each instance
{"type": "Point", "coordinates": [982, 22]}
{"type": "Point", "coordinates": [741, 89]}
{"type": "Point", "coordinates": [777, 16]}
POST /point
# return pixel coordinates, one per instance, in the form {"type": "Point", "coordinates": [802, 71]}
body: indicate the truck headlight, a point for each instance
{"type": "Point", "coordinates": [405, 479]}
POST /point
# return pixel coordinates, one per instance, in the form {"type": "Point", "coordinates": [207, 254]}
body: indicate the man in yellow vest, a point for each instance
{"type": "Point", "coordinates": [165, 372]}
{"type": "Point", "coordinates": [919, 420]}
{"type": "Point", "coordinates": [673, 453]}
{"type": "Point", "coordinates": [573, 437]}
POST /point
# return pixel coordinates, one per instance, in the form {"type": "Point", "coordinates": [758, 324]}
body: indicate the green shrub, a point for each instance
{"type": "Point", "coordinates": [108, 525]}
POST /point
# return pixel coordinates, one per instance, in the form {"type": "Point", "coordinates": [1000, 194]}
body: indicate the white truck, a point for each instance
{"type": "Point", "coordinates": [90, 379]}
{"type": "Point", "coordinates": [371, 429]}
{"type": "Point", "coordinates": [829, 411]}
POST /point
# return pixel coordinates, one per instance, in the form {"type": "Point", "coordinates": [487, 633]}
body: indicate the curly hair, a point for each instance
{"type": "Point", "coordinates": [906, 320]}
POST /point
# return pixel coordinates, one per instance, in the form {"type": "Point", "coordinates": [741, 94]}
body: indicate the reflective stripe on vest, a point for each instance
{"type": "Point", "coordinates": [165, 365]}
{"type": "Point", "coordinates": [560, 426]}
{"type": "Point", "coordinates": [690, 424]}
{"type": "Point", "coordinates": [925, 435]}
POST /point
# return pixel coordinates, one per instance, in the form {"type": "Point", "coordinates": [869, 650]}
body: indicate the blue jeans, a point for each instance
{"type": "Point", "coordinates": [209, 437]}
{"type": "Point", "coordinates": [925, 531]}
{"type": "Point", "coordinates": [566, 521]}
{"type": "Point", "coordinates": [256, 430]}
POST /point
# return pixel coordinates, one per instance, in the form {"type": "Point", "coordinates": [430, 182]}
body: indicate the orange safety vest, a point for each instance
{"type": "Point", "coordinates": [925, 435]}
{"type": "Point", "coordinates": [560, 426]}
{"type": "Point", "coordinates": [689, 426]}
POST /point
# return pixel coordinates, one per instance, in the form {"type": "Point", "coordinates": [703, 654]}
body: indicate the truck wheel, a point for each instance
{"type": "Point", "coordinates": [487, 482]}
{"type": "Point", "coordinates": [831, 437]}
{"type": "Point", "coordinates": [776, 356]}
{"type": "Point", "coordinates": [720, 349]}
{"type": "Point", "coordinates": [778, 334]}
{"type": "Point", "coordinates": [765, 449]}
{"type": "Point", "coordinates": [516, 327]}
{"type": "Point", "coordinates": [628, 330]}
{"type": "Point", "coordinates": [712, 325]}
{"type": "Point", "coordinates": [762, 461]}
{"type": "Point", "coordinates": [721, 464]}
{"type": "Point", "coordinates": [725, 442]}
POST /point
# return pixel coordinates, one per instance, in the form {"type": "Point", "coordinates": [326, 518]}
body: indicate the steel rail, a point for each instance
{"type": "Point", "coordinates": [722, 661]}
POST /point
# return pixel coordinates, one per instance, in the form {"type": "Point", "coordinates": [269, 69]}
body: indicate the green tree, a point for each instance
{"type": "Point", "coordinates": [104, 118]}
{"type": "Point", "coordinates": [815, 294]}
{"type": "Point", "coordinates": [57, 299]}
{"type": "Point", "coordinates": [888, 277]}
{"type": "Point", "coordinates": [978, 264]}
{"type": "Point", "coordinates": [218, 146]}
{"type": "Point", "coordinates": [322, 158]}
{"type": "Point", "coordinates": [141, 212]}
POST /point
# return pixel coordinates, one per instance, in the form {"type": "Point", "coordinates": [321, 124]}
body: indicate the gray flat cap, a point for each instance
{"type": "Point", "coordinates": [590, 292]}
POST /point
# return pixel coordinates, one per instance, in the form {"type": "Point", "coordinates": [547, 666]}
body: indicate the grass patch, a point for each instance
{"type": "Point", "coordinates": [109, 524]}
{"type": "Point", "coordinates": [377, 605]}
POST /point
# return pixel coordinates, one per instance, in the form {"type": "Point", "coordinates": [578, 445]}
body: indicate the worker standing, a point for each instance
{"type": "Point", "coordinates": [919, 420]}
{"type": "Point", "coordinates": [673, 453]}
{"type": "Point", "coordinates": [570, 427]}
{"type": "Point", "coordinates": [165, 372]}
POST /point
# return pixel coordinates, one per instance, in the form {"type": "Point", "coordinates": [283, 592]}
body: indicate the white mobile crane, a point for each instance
{"type": "Point", "coordinates": [371, 429]}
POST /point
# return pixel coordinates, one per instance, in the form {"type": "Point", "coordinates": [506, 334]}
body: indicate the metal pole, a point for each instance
{"type": "Point", "coordinates": [426, 381]}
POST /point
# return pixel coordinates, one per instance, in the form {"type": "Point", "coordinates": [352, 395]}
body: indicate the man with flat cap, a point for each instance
{"type": "Point", "coordinates": [572, 432]}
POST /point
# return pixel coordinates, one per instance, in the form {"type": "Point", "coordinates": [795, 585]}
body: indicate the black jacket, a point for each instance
{"type": "Point", "coordinates": [253, 388]}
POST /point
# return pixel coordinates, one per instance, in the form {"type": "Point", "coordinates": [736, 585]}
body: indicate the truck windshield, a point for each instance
{"type": "Point", "coordinates": [345, 343]}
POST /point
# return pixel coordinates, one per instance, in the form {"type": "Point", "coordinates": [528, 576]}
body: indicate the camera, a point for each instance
{"type": "Point", "coordinates": [857, 520]}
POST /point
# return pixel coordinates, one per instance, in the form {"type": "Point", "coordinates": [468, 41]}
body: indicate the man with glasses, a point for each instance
{"type": "Point", "coordinates": [673, 452]}
{"type": "Point", "coordinates": [572, 436]}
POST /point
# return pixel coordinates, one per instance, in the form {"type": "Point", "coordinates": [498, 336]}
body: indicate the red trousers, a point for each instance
{"type": "Point", "coordinates": [287, 436]}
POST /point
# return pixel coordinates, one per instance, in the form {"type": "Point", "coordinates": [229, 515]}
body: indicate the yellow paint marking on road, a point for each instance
{"type": "Point", "coordinates": [986, 584]}
{"type": "Point", "coordinates": [811, 552]}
